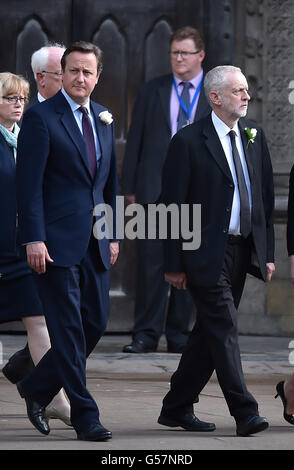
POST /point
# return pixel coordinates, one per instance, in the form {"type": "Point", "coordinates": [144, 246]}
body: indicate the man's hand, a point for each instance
{"type": "Point", "coordinates": [130, 198]}
{"type": "Point", "coordinates": [114, 251]}
{"type": "Point", "coordinates": [37, 255]}
{"type": "Point", "coordinates": [270, 269]}
{"type": "Point", "coordinates": [178, 280]}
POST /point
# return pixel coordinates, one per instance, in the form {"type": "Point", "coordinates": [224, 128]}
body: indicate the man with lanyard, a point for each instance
{"type": "Point", "coordinates": [164, 105]}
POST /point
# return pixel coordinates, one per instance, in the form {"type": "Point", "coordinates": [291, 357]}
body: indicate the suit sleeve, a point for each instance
{"type": "Point", "coordinates": [290, 222]}
{"type": "Point", "coordinates": [268, 199]}
{"type": "Point", "coordinates": [175, 187]}
{"type": "Point", "coordinates": [32, 155]}
{"type": "Point", "coordinates": [134, 145]}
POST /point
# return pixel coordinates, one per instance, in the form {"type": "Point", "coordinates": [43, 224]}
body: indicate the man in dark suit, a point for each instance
{"type": "Point", "coordinates": [164, 105]}
{"type": "Point", "coordinates": [223, 163]}
{"type": "Point", "coordinates": [46, 67]}
{"type": "Point", "coordinates": [66, 166]}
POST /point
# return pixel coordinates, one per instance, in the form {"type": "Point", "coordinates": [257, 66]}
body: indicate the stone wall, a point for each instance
{"type": "Point", "coordinates": [265, 51]}
{"type": "Point", "coordinates": [258, 36]}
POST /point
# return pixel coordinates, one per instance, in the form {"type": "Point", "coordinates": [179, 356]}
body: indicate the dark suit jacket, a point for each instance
{"type": "Point", "coordinates": [149, 137]}
{"type": "Point", "coordinates": [11, 265]}
{"type": "Point", "coordinates": [55, 188]}
{"type": "Point", "coordinates": [7, 198]}
{"type": "Point", "coordinates": [33, 101]}
{"type": "Point", "coordinates": [197, 172]}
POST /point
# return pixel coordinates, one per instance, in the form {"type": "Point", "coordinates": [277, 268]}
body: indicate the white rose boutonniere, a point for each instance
{"type": "Point", "coordinates": [106, 117]}
{"type": "Point", "coordinates": [251, 134]}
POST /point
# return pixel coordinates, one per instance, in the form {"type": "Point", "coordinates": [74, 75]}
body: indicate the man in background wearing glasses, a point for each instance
{"type": "Point", "coordinates": [46, 67]}
{"type": "Point", "coordinates": [164, 105]}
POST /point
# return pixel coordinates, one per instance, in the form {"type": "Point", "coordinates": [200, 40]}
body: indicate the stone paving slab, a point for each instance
{"type": "Point", "coordinates": [129, 390]}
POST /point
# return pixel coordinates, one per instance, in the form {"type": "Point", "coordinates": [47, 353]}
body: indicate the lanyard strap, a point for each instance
{"type": "Point", "coordinates": [182, 104]}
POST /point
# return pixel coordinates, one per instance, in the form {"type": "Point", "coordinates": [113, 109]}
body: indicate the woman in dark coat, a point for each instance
{"type": "Point", "coordinates": [285, 389]}
{"type": "Point", "coordinates": [18, 294]}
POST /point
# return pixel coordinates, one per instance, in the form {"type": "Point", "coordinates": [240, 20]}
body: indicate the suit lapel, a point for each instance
{"type": "Point", "coordinates": [203, 107]}
{"type": "Point", "coordinates": [102, 133]}
{"type": "Point", "coordinates": [248, 149]}
{"type": "Point", "coordinates": [70, 125]}
{"type": "Point", "coordinates": [215, 147]}
{"type": "Point", "coordinates": [101, 128]}
{"type": "Point", "coordinates": [164, 96]}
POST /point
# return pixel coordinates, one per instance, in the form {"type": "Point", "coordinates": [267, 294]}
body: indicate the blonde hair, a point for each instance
{"type": "Point", "coordinates": [13, 84]}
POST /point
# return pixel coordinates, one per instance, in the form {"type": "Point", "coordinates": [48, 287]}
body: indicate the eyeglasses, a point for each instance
{"type": "Point", "coordinates": [15, 99]}
{"type": "Point", "coordinates": [58, 74]}
{"type": "Point", "coordinates": [183, 54]}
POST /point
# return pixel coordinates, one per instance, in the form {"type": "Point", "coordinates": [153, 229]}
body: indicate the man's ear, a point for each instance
{"type": "Point", "coordinates": [201, 55]}
{"type": "Point", "coordinates": [40, 76]}
{"type": "Point", "coordinates": [215, 98]}
{"type": "Point", "coordinates": [98, 76]}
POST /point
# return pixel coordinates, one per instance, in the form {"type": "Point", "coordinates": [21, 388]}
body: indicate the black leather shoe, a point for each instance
{"type": "Point", "coordinates": [251, 425]}
{"type": "Point", "coordinates": [187, 421]}
{"type": "Point", "coordinates": [138, 346]}
{"type": "Point", "coordinates": [95, 433]}
{"type": "Point", "coordinates": [36, 413]}
{"type": "Point", "coordinates": [18, 365]}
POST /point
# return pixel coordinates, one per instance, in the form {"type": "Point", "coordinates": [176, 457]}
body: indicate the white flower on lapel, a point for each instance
{"type": "Point", "coordinates": [106, 117]}
{"type": "Point", "coordinates": [251, 134]}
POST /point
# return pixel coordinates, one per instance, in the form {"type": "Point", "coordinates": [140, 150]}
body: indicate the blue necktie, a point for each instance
{"type": "Point", "coordinates": [89, 139]}
{"type": "Point", "coordinates": [185, 95]}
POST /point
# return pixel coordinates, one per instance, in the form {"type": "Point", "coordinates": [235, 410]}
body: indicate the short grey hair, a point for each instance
{"type": "Point", "coordinates": [39, 59]}
{"type": "Point", "coordinates": [215, 79]}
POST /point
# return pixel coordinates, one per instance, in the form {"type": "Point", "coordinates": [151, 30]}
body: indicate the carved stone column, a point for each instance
{"type": "Point", "coordinates": [278, 115]}
{"type": "Point", "coordinates": [268, 62]}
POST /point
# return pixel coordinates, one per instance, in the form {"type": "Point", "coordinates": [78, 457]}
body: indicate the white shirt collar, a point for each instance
{"type": "Point", "coordinates": [221, 127]}
{"type": "Point", "coordinates": [40, 97]}
{"type": "Point", "coordinates": [73, 104]}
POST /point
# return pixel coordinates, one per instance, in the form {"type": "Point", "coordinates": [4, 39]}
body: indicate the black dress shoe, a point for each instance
{"type": "Point", "coordinates": [18, 365]}
{"type": "Point", "coordinates": [95, 433]}
{"type": "Point", "coordinates": [187, 421]}
{"type": "Point", "coordinates": [36, 413]}
{"type": "Point", "coordinates": [281, 393]}
{"type": "Point", "coordinates": [251, 425]}
{"type": "Point", "coordinates": [138, 346]}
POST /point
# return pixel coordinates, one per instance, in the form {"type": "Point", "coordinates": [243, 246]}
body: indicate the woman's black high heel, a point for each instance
{"type": "Point", "coordinates": [281, 393]}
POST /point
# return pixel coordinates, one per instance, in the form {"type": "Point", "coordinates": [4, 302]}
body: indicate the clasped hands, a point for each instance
{"type": "Point", "coordinates": [38, 256]}
{"type": "Point", "coordinates": [178, 280]}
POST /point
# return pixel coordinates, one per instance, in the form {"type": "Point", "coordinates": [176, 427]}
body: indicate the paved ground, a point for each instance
{"type": "Point", "coordinates": [129, 390]}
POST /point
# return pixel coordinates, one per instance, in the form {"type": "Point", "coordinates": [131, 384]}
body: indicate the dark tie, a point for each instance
{"type": "Point", "coordinates": [89, 139]}
{"type": "Point", "coordinates": [185, 95]}
{"type": "Point", "coordinates": [245, 215]}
